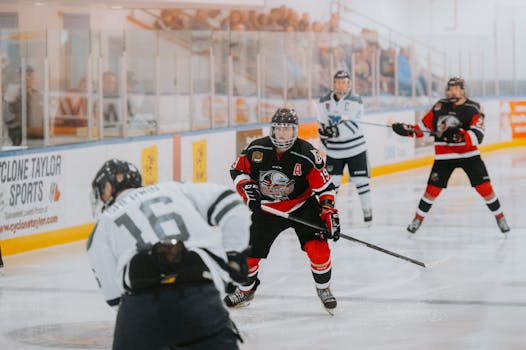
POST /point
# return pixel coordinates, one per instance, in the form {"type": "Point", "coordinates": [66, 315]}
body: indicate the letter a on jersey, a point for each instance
{"type": "Point", "coordinates": [297, 170]}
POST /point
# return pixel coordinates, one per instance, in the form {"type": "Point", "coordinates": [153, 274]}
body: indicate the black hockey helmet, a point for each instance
{"type": "Point", "coordinates": [341, 91]}
{"type": "Point", "coordinates": [456, 81]}
{"type": "Point", "coordinates": [342, 74]}
{"type": "Point", "coordinates": [120, 175]}
{"type": "Point", "coordinates": [284, 117]}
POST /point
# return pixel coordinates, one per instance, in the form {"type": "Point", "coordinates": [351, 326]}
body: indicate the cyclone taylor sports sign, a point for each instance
{"type": "Point", "coordinates": [47, 192]}
{"type": "Point", "coordinates": [29, 192]}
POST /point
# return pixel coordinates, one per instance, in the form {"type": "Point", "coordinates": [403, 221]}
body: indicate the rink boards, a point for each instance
{"type": "Point", "coordinates": [45, 193]}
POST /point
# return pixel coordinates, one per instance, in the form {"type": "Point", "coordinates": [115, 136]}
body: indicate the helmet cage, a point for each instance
{"type": "Point", "coordinates": [283, 144]}
{"type": "Point", "coordinates": [342, 75]}
{"type": "Point", "coordinates": [456, 81]}
{"type": "Point", "coordinates": [284, 117]}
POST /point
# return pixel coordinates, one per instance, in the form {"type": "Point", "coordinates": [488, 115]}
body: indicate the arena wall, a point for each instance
{"type": "Point", "coordinates": [45, 192]}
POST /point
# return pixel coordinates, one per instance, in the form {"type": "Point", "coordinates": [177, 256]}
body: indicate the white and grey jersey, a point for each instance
{"type": "Point", "coordinates": [183, 211]}
{"type": "Point", "coordinates": [345, 114]}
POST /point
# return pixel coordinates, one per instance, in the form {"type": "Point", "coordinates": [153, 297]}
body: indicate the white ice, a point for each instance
{"type": "Point", "coordinates": [472, 295]}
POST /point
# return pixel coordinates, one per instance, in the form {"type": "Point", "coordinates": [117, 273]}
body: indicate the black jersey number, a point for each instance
{"type": "Point", "coordinates": [155, 222]}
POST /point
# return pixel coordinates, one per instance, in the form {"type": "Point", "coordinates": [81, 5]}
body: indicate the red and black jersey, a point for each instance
{"type": "Point", "coordinates": [285, 180]}
{"type": "Point", "coordinates": [470, 122]}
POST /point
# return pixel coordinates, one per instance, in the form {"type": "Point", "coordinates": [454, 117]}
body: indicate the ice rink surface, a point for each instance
{"type": "Point", "coordinates": [472, 295]}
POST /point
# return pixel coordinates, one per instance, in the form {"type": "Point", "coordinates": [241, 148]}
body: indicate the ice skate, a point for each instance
{"type": "Point", "coordinates": [414, 225]}
{"type": "Point", "coordinates": [327, 299]}
{"type": "Point", "coordinates": [368, 216]}
{"type": "Point", "coordinates": [239, 298]}
{"type": "Point", "coordinates": [503, 225]}
{"type": "Point", "coordinates": [1, 263]}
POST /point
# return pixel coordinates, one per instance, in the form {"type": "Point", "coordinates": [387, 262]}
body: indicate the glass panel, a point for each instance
{"type": "Point", "coordinates": [141, 82]}
{"type": "Point", "coordinates": [244, 50]}
{"type": "Point", "coordinates": [68, 84]}
{"type": "Point", "coordinates": [175, 84]}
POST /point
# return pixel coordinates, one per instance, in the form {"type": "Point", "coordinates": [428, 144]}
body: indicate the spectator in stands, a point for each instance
{"type": "Point", "coordinates": [273, 21]}
{"type": "Point", "coordinates": [34, 108]}
{"type": "Point", "coordinates": [253, 20]}
{"type": "Point", "coordinates": [404, 72]}
{"type": "Point", "coordinates": [387, 70]}
{"type": "Point", "coordinates": [110, 93]}
{"type": "Point", "coordinates": [215, 18]}
{"type": "Point", "coordinates": [174, 19]}
{"type": "Point", "coordinates": [342, 61]}
{"type": "Point", "coordinates": [304, 22]}
{"type": "Point", "coordinates": [333, 25]}
{"type": "Point", "coordinates": [317, 27]}
{"type": "Point", "coordinates": [362, 72]}
{"type": "Point", "coordinates": [200, 21]}
{"type": "Point", "coordinates": [234, 20]}
{"type": "Point", "coordinates": [72, 109]}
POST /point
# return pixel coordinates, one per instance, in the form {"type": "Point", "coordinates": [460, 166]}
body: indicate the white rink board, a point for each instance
{"type": "Point", "coordinates": [46, 197]}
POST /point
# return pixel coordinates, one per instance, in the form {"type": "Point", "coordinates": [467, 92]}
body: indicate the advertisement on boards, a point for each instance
{"type": "Point", "coordinates": [48, 191]}
{"type": "Point", "coordinates": [513, 119]}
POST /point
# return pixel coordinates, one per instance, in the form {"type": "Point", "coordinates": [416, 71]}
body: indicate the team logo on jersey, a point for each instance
{"type": "Point", "coordinates": [438, 105]}
{"type": "Point", "coordinates": [327, 106]}
{"type": "Point", "coordinates": [347, 107]}
{"type": "Point", "coordinates": [275, 184]}
{"type": "Point", "coordinates": [297, 170]}
{"type": "Point", "coordinates": [446, 122]}
{"type": "Point", "coordinates": [257, 156]}
{"type": "Point", "coordinates": [317, 156]}
{"type": "Point", "coordinates": [335, 119]}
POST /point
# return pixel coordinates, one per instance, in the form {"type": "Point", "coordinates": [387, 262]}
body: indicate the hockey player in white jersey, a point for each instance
{"type": "Point", "coordinates": [157, 258]}
{"type": "Point", "coordinates": [339, 113]}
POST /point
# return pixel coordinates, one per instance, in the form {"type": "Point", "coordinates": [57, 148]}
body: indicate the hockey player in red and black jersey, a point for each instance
{"type": "Point", "coordinates": [288, 174]}
{"type": "Point", "coordinates": [458, 127]}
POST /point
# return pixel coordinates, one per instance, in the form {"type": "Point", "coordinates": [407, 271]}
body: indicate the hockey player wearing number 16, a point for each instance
{"type": "Point", "coordinates": [344, 143]}
{"type": "Point", "coordinates": [158, 260]}
{"type": "Point", "coordinates": [458, 128]}
{"type": "Point", "coordinates": [288, 174]}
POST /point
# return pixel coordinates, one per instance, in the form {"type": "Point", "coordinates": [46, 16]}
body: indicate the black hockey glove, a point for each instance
{"type": "Point", "coordinates": [251, 195]}
{"type": "Point", "coordinates": [237, 261]}
{"type": "Point", "coordinates": [453, 135]}
{"type": "Point", "coordinates": [403, 129]}
{"type": "Point", "coordinates": [167, 254]}
{"type": "Point", "coordinates": [328, 131]}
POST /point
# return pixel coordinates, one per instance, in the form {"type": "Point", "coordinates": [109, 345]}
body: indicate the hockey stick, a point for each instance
{"type": "Point", "coordinates": [388, 126]}
{"type": "Point", "coordinates": [347, 237]}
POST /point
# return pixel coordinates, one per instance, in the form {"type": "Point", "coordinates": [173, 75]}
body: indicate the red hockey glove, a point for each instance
{"type": "Point", "coordinates": [403, 129]}
{"type": "Point", "coordinates": [249, 190]}
{"type": "Point", "coordinates": [330, 217]}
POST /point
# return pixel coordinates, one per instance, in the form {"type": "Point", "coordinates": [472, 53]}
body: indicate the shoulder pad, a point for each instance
{"type": "Point", "coordinates": [473, 104]}
{"type": "Point", "coordinates": [326, 97]}
{"type": "Point", "coordinates": [354, 97]}
{"type": "Point", "coordinates": [310, 153]}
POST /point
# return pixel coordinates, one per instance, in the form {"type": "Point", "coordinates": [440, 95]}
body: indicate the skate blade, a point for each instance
{"type": "Point", "coordinates": [329, 311]}
{"type": "Point", "coordinates": [240, 305]}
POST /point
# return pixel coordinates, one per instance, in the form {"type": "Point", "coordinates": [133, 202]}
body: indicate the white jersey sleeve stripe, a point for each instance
{"type": "Point", "coordinates": [226, 201]}
{"type": "Point", "coordinates": [226, 209]}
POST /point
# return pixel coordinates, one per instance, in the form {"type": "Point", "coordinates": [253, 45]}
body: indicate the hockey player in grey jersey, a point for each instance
{"type": "Point", "coordinates": [157, 258]}
{"type": "Point", "coordinates": [339, 113]}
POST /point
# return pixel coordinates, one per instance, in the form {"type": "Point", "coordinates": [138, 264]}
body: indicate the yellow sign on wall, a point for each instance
{"type": "Point", "coordinates": [150, 165]}
{"type": "Point", "coordinates": [199, 161]}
